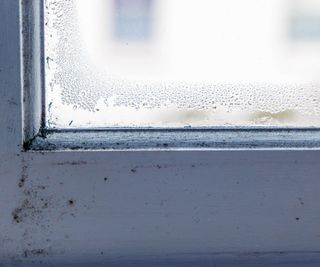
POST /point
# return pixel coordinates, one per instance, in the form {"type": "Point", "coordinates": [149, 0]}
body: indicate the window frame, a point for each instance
{"type": "Point", "coordinates": [144, 208]}
{"type": "Point", "coordinates": [38, 137]}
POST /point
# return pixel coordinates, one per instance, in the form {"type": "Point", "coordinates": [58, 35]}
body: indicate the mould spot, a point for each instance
{"type": "Point", "coordinates": [24, 176]}
{"type": "Point", "coordinates": [72, 163]}
{"type": "Point", "coordinates": [12, 102]}
{"type": "Point", "coordinates": [297, 219]}
{"type": "Point", "coordinates": [71, 202]}
{"type": "Point", "coordinates": [19, 213]}
{"type": "Point", "coordinates": [34, 253]}
{"type": "Point", "coordinates": [16, 215]}
{"type": "Point", "coordinates": [31, 207]}
{"type": "Point", "coordinates": [22, 181]}
{"type": "Point", "coordinates": [301, 201]}
{"type": "Point", "coordinates": [41, 187]}
{"type": "Point", "coordinates": [133, 170]}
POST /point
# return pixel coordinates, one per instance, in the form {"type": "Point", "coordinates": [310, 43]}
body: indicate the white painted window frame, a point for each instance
{"type": "Point", "coordinates": [169, 207]}
{"type": "Point", "coordinates": [39, 137]}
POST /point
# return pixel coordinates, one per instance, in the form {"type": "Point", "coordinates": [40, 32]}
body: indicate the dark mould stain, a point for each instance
{"type": "Point", "coordinates": [16, 215]}
{"type": "Point", "coordinates": [31, 206]}
{"type": "Point", "coordinates": [70, 123]}
{"type": "Point", "coordinates": [23, 211]}
{"type": "Point", "coordinates": [71, 202]}
{"type": "Point", "coordinates": [22, 181]}
{"type": "Point", "coordinates": [24, 175]}
{"type": "Point", "coordinates": [297, 219]}
{"type": "Point", "coordinates": [12, 102]}
{"type": "Point", "coordinates": [34, 252]}
{"type": "Point", "coordinates": [72, 163]}
{"type": "Point", "coordinates": [48, 60]}
{"type": "Point", "coordinates": [11, 129]}
{"type": "Point", "coordinates": [301, 201]}
{"type": "Point", "coordinates": [105, 179]}
{"type": "Point", "coordinates": [41, 187]}
{"type": "Point", "coordinates": [20, 213]}
{"type": "Point", "coordinates": [27, 145]}
{"type": "Point", "coordinates": [259, 253]}
{"type": "Point", "coordinates": [161, 166]}
{"type": "Point", "coordinates": [133, 170]}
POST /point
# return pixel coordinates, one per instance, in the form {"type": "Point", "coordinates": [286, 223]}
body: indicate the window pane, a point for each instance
{"type": "Point", "coordinates": [177, 63]}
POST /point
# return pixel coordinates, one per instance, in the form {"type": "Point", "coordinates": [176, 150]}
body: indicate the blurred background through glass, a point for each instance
{"type": "Point", "coordinates": [176, 63]}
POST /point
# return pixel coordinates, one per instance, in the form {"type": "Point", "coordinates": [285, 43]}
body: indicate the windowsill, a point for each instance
{"type": "Point", "coordinates": [233, 138]}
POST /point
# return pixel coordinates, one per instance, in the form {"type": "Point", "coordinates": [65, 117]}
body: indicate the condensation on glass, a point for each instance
{"type": "Point", "coordinates": [182, 63]}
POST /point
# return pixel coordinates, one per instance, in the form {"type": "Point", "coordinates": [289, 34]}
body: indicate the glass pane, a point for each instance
{"type": "Point", "coordinates": [182, 63]}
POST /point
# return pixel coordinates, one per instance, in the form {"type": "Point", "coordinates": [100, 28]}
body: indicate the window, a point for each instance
{"type": "Point", "coordinates": [150, 74]}
{"type": "Point", "coordinates": [182, 63]}
{"type": "Point", "coordinates": [104, 208]}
